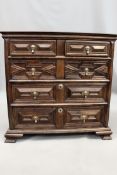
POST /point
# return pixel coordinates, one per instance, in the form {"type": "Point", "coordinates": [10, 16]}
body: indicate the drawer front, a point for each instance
{"type": "Point", "coordinates": [52, 118]}
{"type": "Point", "coordinates": [79, 117]}
{"type": "Point", "coordinates": [33, 69]}
{"type": "Point", "coordinates": [86, 92]}
{"type": "Point", "coordinates": [40, 118]}
{"type": "Point", "coordinates": [95, 70]}
{"type": "Point", "coordinates": [59, 93]}
{"type": "Point", "coordinates": [32, 47]}
{"type": "Point", "coordinates": [87, 48]}
{"type": "Point", "coordinates": [34, 93]}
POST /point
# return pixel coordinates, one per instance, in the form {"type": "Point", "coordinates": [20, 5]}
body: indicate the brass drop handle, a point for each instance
{"type": "Point", "coordinates": [60, 110]}
{"type": "Point", "coordinates": [33, 71]}
{"type": "Point", "coordinates": [86, 70]}
{"type": "Point", "coordinates": [87, 49]}
{"type": "Point", "coordinates": [35, 118]}
{"type": "Point", "coordinates": [33, 48]}
{"type": "Point", "coordinates": [35, 95]}
{"type": "Point", "coordinates": [83, 118]}
{"type": "Point", "coordinates": [85, 93]}
{"type": "Point", "coordinates": [60, 86]}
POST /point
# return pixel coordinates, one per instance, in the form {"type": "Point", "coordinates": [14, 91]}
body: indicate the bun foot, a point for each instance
{"type": "Point", "coordinates": [10, 140]}
{"type": "Point", "coordinates": [11, 136]}
{"type": "Point", "coordinates": [106, 137]}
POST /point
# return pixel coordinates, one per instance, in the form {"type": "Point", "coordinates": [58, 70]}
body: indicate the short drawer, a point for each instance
{"type": "Point", "coordinates": [87, 48]}
{"type": "Point", "coordinates": [84, 117]}
{"type": "Point", "coordinates": [86, 92]}
{"type": "Point", "coordinates": [36, 117]}
{"type": "Point", "coordinates": [41, 69]}
{"type": "Point", "coordinates": [32, 47]}
{"type": "Point", "coordinates": [87, 69]}
{"type": "Point", "coordinates": [34, 93]}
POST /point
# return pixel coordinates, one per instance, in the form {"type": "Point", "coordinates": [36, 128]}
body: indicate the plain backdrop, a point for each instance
{"type": "Point", "coordinates": [65, 155]}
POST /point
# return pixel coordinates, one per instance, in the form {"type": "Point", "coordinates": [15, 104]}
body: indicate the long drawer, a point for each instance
{"type": "Point", "coordinates": [49, 69]}
{"type": "Point", "coordinates": [59, 92]}
{"type": "Point", "coordinates": [58, 117]}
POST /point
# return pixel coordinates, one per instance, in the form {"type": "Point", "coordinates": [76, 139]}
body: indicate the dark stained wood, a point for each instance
{"type": "Point", "coordinates": [60, 69]}
{"type": "Point", "coordinates": [34, 118]}
{"type": "Point", "coordinates": [57, 104]}
{"type": "Point", "coordinates": [34, 69]}
{"type": "Point", "coordinates": [34, 93]}
{"type": "Point", "coordinates": [87, 69]}
{"type": "Point", "coordinates": [32, 47]}
{"type": "Point", "coordinates": [84, 117]}
{"type": "Point", "coordinates": [59, 118]}
{"type": "Point", "coordinates": [58, 83]}
{"type": "Point", "coordinates": [60, 47]}
{"type": "Point", "coordinates": [57, 80]}
{"type": "Point", "coordinates": [87, 48]}
{"type": "Point", "coordinates": [85, 92]}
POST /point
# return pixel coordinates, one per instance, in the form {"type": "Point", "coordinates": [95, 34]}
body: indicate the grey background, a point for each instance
{"type": "Point", "coordinates": [65, 155]}
{"type": "Point", "coordinates": [58, 15]}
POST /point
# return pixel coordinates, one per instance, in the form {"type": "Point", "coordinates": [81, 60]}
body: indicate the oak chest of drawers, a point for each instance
{"type": "Point", "coordinates": [58, 83]}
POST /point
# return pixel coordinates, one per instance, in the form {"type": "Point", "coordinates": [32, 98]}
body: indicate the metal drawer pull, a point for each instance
{"type": "Point", "coordinates": [87, 49]}
{"type": "Point", "coordinates": [35, 95]}
{"type": "Point", "coordinates": [85, 94]}
{"type": "Point", "coordinates": [35, 118]}
{"type": "Point", "coordinates": [84, 117]}
{"type": "Point", "coordinates": [60, 110]}
{"type": "Point", "coordinates": [60, 86]}
{"type": "Point", "coordinates": [33, 47]}
{"type": "Point", "coordinates": [86, 70]}
{"type": "Point", "coordinates": [33, 71]}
